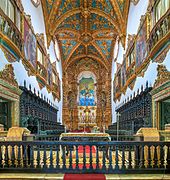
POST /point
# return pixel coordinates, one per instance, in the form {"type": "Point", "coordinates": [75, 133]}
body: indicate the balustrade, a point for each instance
{"type": "Point", "coordinates": [85, 157]}
{"type": "Point", "coordinates": [9, 29]}
{"type": "Point", "coordinates": [41, 70]}
{"type": "Point", "coordinates": [160, 29]}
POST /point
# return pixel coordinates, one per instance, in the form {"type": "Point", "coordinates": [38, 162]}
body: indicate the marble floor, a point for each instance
{"type": "Point", "coordinates": [37, 176]}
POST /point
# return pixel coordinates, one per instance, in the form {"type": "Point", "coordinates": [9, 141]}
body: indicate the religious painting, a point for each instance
{"type": "Point", "coordinates": [141, 45]}
{"type": "Point", "coordinates": [49, 73]}
{"type": "Point", "coordinates": [123, 73]}
{"type": "Point", "coordinates": [29, 44]}
{"type": "Point", "coordinates": [58, 89]}
{"type": "Point", "coordinates": [131, 56]}
{"type": "Point", "coordinates": [119, 80]}
{"type": "Point", "coordinates": [87, 92]}
{"type": "Point", "coordinates": [40, 56]}
{"type": "Point", "coordinates": [11, 11]}
{"type": "Point", "coordinates": [18, 19]}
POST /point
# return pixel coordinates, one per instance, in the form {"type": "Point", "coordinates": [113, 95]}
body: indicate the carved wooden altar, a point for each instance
{"type": "Point", "coordinates": [70, 92]}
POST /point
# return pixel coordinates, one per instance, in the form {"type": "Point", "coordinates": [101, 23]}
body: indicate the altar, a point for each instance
{"type": "Point", "coordinates": [85, 137]}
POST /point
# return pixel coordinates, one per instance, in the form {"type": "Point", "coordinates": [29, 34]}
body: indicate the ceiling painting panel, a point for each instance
{"type": "Point", "coordinates": [73, 22]}
{"type": "Point", "coordinates": [92, 50]}
{"type": "Point", "coordinates": [97, 22]}
{"type": "Point", "coordinates": [67, 47]}
{"type": "Point", "coordinates": [105, 46]}
{"type": "Point", "coordinates": [80, 50]}
{"type": "Point", "coordinates": [67, 5]}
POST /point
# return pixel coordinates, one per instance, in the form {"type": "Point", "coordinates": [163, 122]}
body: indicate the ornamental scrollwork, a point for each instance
{"type": "Point", "coordinates": [163, 75]}
{"type": "Point", "coordinates": [7, 74]}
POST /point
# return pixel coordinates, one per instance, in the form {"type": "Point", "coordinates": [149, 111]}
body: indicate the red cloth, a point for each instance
{"type": "Point", "coordinates": [84, 177]}
{"type": "Point", "coordinates": [78, 131]}
{"type": "Point", "coordinates": [87, 149]}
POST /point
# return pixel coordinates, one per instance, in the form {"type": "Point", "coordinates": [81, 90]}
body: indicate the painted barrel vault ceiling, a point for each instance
{"type": "Point", "coordinates": [86, 28]}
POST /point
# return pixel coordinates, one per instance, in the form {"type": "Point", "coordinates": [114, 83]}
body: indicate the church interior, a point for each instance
{"type": "Point", "coordinates": [84, 89]}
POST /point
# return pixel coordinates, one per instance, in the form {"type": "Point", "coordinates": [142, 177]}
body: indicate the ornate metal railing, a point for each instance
{"type": "Point", "coordinates": [9, 29]}
{"type": "Point", "coordinates": [159, 31]}
{"type": "Point", "coordinates": [75, 157]}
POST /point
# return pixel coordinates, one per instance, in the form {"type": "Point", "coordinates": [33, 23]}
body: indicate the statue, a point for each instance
{"type": "Point", "coordinates": [87, 111]}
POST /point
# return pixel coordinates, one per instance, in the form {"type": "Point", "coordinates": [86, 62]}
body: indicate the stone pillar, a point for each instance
{"type": "Point", "coordinates": [15, 113]}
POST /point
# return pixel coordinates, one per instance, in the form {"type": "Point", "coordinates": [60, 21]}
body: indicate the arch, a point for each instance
{"type": "Point", "coordinates": [65, 66]}
{"type": "Point", "coordinates": [62, 18]}
{"type": "Point", "coordinates": [72, 51]}
{"type": "Point", "coordinates": [106, 16]}
{"type": "Point", "coordinates": [87, 74]}
{"type": "Point", "coordinates": [78, 10]}
{"type": "Point", "coordinates": [68, 30]}
{"type": "Point", "coordinates": [99, 50]}
{"type": "Point", "coordinates": [96, 32]}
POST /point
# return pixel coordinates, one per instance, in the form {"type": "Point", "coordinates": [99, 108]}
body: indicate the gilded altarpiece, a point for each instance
{"type": "Point", "coordinates": [71, 93]}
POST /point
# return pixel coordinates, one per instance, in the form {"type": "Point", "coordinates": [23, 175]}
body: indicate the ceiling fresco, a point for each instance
{"type": "Point", "coordinates": [86, 28]}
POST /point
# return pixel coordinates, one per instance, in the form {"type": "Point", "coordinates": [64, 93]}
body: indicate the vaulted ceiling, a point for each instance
{"type": "Point", "coordinates": [86, 28]}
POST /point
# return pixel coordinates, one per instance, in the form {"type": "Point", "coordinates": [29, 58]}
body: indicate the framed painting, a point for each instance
{"type": "Point", "coordinates": [86, 92]}
{"type": "Point", "coordinates": [141, 44]}
{"type": "Point", "coordinates": [29, 44]}
{"type": "Point", "coordinates": [40, 56]}
{"type": "Point", "coordinates": [49, 73]}
{"type": "Point", "coordinates": [123, 73]}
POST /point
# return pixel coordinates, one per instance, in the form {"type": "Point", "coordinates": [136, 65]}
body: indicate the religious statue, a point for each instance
{"type": "Point", "coordinates": [87, 111]}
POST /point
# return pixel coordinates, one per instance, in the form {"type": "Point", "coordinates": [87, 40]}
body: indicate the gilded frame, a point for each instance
{"type": "Point", "coordinates": [29, 66]}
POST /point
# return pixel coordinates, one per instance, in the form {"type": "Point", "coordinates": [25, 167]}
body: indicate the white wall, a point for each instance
{"type": "Point", "coordinates": [19, 70]}
{"type": "Point", "coordinates": [135, 13]}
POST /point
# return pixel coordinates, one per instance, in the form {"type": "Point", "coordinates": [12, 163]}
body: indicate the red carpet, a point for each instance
{"type": "Point", "coordinates": [80, 165]}
{"type": "Point", "coordinates": [84, 177]}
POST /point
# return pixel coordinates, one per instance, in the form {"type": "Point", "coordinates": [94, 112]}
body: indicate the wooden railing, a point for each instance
{"type": "Point", "coordinates": [122, 138]}
{"type": "Point", "coordinates": [9, 29]}
{"type": "Point", "coordinates": [73, 157]}
{"type": "Point", "coordinates": [41, 70]}
{"type": "Point", "coordinates": [159, 31]}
